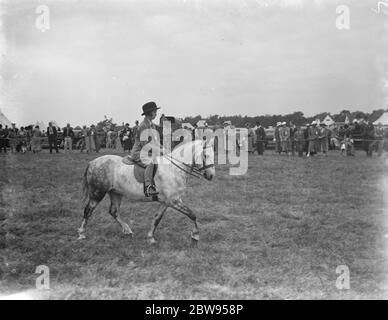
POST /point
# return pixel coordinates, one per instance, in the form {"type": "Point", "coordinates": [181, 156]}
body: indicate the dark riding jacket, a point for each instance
{"type": "Point", "coordinates": [138, 146]}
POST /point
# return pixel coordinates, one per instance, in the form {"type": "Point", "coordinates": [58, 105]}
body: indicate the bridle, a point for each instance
{"type": "Point", "coordinates": [192, 169]}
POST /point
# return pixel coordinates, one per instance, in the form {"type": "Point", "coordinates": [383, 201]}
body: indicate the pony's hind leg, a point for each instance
{"type": "Point", "coordinates": [114, 211]}
{"type": "Point", "coordinates": [155, 222]}
{"type": "Point", "coordinates": [178, 205]}
{"type": "Point", "coordinates": [92, 204]}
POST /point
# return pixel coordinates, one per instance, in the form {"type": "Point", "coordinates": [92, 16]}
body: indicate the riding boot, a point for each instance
{"type": "Point", "coordinates": [150, 189]}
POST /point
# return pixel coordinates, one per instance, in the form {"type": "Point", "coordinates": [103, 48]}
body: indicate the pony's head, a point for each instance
{"type": "Point", "coordinates": [198, 156]}
{"type": "Point", "coordinates": [204, 158]}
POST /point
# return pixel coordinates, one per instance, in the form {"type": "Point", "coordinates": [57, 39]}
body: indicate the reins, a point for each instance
{"type": "Point", "coordinates": [192, 169]}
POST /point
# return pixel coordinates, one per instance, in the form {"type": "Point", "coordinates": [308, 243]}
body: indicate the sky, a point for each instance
{"type": "Point", "coordinates": [225, 57]}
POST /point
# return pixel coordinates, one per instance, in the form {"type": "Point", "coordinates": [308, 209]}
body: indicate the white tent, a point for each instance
{"type": "Point", "coordinates": [4, 120]}
{"type": "Point", "coordinates": [383, 119]}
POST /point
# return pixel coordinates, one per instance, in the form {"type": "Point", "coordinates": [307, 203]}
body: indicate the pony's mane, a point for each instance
{"type": "Point", "coordinates": [182, 146]}
{"type": "Point", "coordinates": [197, 144]}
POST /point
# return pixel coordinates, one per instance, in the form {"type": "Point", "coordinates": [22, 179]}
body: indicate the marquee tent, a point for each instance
{"type": "Point", "coordinates": [4, 120]}
{"type": "Point", "coordinates": [383, 119]}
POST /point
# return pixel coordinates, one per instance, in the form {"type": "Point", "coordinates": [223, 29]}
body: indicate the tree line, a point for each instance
{"type": "Point", "coordinates": [298, 118]}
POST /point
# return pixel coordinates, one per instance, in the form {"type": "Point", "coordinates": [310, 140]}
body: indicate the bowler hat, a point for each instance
{"type": "Point", "coordinates": [149, 107]}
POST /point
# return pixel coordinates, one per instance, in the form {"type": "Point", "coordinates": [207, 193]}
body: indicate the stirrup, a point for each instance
{"type": "Point", "coordinates": [151, 191]}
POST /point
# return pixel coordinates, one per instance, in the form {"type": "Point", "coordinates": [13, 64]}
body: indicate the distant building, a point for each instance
{"type": "Point", "coordinates": [187, 125]}
{"type": "Point", "coordinates": [201, 123]}
{"type": "Point", "coordinates": [328, 120]}
{"type": "Point", "coordinates": [343, 119]}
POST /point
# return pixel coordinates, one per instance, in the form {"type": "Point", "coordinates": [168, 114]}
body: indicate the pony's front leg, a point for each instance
{"type": "Point", "coordinates": [155, 222]}
{"type": "Point", "coordinates": [178, 205]}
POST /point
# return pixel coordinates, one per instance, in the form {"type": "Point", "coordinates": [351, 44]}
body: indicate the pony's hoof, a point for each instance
{"type": "Point", "coordinates": [127, 230]}
{"type": "Point", "coordinates": [195, 237]}
{"type": "Point", "coordinates": [81, 237]}
{"type": "Point", "coordinates": [194, 243]}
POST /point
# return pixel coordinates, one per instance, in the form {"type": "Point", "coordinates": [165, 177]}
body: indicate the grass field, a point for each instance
{"type": "Point", "coordinates": [278, 232]}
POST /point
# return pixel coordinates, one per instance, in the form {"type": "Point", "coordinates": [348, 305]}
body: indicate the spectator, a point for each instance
{"type": "Point", "coordinates": [127, 138]}
{"type": "Point", "coordinates": [85, 139]}
{"type": "Point", "coordinates": [208, 132]}
{"type": "Point", "coordinates": [109, 140]}
{"type": "Point", "coordinates": [12, 135]}
{"type": "Point", "coordinates": [379, 135]}
{"type": "Point", "coordinates": [134, 131]}
{"type": "Point", "coordinates": [251, 135]}
{"type": "Point", "coordinates": [92, 133]}
{"type": "Point", "coordinates": [260, 138]}
{"type": "Point", "coordinates": [68, 136]}
{"type": "Point", "coordinates": [299, 141]}
{"type": "Point", "coordinates": [52, 137]}
{"type": "Point", "coordinates": [3, 139]}
{"type": "Point", "coordinates": [36, 142]}
{"type": "Point", "coordinates": [306, 139]}
{"type": "Point", "coordinates": [28, 130]}
{"type": "Point", "coordinates": [313, 138]}
{"type": "Point", "coordinates": [284, 133]}
{"type": "Point", "coordinates": [98, 138]}
{"type": "Point", "coordinates": [22, 140]}
{"type": "Point", "coordinates": [368, 134]}
{"type": "Point", "coordinates": [277, 138]}
{"type": "Point", "coordinates": [292, 141]}
{"type": "Point", "coordinates": [194, 130]}
{"type": "Point", "coordinates": [324, 138]}
{"type": "Point", "coordinates": [347, 144]}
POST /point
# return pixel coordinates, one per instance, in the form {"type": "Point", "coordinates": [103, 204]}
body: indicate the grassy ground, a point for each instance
{"type": "Point", "coordinates": [278, 232]}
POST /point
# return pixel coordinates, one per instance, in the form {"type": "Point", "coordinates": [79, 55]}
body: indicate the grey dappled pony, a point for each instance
{"type": "Point", "coordinates": [109, 175]}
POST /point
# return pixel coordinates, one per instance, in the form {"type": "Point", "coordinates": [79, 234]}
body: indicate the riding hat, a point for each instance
{"type": "Point", "coordinates": [149, 107]}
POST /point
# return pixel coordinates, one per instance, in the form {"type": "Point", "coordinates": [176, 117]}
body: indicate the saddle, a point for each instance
{"type": "Point", "coordinates": [139, 168]}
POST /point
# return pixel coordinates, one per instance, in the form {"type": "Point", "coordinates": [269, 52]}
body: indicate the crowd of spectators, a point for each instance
{"type": "Point", "coordinates": [54, 138]}
{"type": "Point", "coordinates": [314, 138]}
{"type": "Point", "coordinates": [289, 139]}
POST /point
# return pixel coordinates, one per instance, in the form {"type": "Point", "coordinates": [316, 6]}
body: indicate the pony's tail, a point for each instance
{"type": "Point", "coordinates": [85, 187]}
